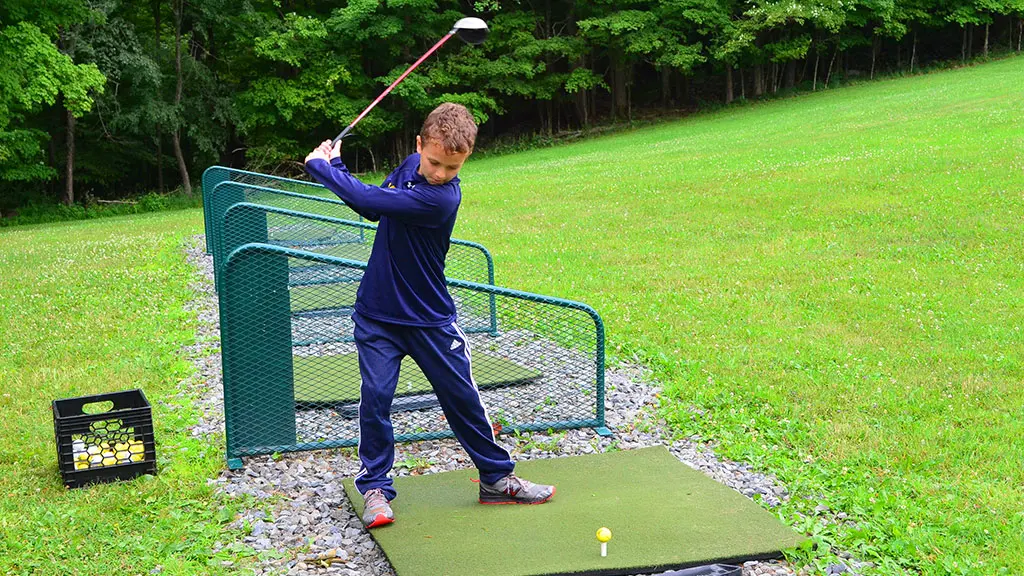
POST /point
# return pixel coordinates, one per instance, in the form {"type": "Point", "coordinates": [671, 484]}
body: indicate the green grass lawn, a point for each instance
{"type": "Point", "coordinates": [829, 286]}
{"type": "Point", "coordinates": [90, 307]}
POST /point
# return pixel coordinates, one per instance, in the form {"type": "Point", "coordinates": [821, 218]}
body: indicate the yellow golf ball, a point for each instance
{"type": "Point", "coordinates": [604, 534]}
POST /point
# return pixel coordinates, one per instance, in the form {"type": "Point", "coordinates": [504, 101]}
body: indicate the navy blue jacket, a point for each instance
{"type": "Point", "coordinates": [404, 281]}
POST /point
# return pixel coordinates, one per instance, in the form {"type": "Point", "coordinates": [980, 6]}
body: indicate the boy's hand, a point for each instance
{"type": "Point", "coordinates": [317, 152]}
{"type": "Point", "coordinates": [324, 151]}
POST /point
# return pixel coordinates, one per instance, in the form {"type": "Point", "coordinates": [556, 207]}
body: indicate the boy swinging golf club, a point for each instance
{"type": "Point", "coordinates": [403, 307]}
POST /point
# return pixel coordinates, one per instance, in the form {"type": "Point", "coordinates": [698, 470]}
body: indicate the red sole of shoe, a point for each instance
{"type": "Point", "coordinates": [553, 490]}
{"type": "Point", "coordinates": [380, 520]}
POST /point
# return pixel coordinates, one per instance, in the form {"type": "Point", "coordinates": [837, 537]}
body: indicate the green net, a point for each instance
{"type": "Point", "coordinates": [291, 379]}
{"type": "Point", "coordinates": [246, 223]}
{"type": "Point", "coordinates": [216, 174]}
{"type": "Point", "coordinates": [227, 194]}
{"type": "Point", "coordinates": [312, 224]}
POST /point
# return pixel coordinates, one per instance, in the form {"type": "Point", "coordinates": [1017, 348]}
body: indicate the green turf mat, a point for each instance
{"type": "Point", "coordinates": [351, 250]}
{"type": "Point", "coordinates": [312, 387]}
{"type": "Point", "coordinates": [663, 515]}
{"type": "Point", "coordinates": [323, 296]}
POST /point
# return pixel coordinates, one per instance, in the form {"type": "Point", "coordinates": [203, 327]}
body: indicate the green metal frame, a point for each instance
{"type": "Point", "coordinates": [253, 358]}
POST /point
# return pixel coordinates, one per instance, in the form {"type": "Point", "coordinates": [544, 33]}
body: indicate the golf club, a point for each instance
{"type": "Point", "coordinates": [470, 30]}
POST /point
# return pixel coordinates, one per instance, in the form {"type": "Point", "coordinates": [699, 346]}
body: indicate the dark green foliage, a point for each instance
{"type": "Point", "coordinates": [34, 73]}
{"type": "Point", "coordinates": [39, 213]}
{"type": "Point", "coordinates": [262, 81]}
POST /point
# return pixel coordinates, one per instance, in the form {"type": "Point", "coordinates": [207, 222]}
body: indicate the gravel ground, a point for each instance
{"type": "Point", "coordinates": [563, 376]}
{"type": "Point", "coordinates": [312, 529]}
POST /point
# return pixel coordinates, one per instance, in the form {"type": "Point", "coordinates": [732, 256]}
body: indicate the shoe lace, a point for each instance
{"type": "Point", "coordinates": [375, 498]}
{"type": "Point", "coordinates": [515, 484]}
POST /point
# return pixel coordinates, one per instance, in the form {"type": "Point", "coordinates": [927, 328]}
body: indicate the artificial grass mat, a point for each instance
{"type": "Point", "coordinates": [333, 296]}
{"type": "Point", "coordinates": [317, 383]}
{"type": "Point", "coordinates": [663, 515]}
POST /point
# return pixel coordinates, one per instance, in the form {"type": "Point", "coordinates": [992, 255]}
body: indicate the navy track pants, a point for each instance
{"type": "Point", "coordinates": [443, 355]}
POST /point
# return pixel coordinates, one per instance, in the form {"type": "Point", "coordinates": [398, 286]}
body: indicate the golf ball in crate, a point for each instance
{"type": "Point", "coordinates": [103, 454]}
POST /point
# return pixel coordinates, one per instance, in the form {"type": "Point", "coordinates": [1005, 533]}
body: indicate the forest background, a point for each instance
{"type": "Point", "coordinates": [108, 102]}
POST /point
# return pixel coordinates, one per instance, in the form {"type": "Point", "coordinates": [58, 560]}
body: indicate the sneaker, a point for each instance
{"type": "Point", "coordinates": [514, 490]}
{"type": "Point", "coordinates": [377, 511]}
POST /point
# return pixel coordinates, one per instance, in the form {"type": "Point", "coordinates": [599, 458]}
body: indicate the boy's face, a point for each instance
{"type": "Point", "coordinates": [436, 165]}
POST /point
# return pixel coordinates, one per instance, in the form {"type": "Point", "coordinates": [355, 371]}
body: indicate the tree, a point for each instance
{"type": "Point", "coordinates": [968, 14]}
{"type": "Point", "coordinates": [118, 134]}
{"type": "Point", "coordinates": [625, 35]}
{"type": "Point", "coordinates": [35, 73]}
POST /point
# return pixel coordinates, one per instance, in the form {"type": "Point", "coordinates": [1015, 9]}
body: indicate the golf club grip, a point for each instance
{"type": "Point", "coordinates": [392, 87]}
{"type": "Point", "coordinates": [342, 135]}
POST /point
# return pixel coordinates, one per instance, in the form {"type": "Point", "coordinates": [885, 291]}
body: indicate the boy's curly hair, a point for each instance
{"type": "Point", "coordinates": [451, 126]}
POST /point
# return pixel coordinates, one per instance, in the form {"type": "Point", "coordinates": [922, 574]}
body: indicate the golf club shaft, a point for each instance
{"type": "Point", "coordinates": [389, 88]}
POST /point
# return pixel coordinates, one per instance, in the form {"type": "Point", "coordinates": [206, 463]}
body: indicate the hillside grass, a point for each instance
{"type": "Point", "coordinates": [90, 307]}
{"type": "Point", "coordinates": [830, 287]}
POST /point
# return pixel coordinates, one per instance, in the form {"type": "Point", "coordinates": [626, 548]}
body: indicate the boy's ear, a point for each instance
{"type": "Point", "coordinates": [419, 145]}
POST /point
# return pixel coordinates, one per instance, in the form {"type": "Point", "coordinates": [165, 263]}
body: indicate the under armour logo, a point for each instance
{"type": "Point", "coordinates": [455, 344]}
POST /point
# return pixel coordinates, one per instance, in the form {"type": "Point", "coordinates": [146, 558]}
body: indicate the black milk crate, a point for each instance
{"type": "Point", "coordinates": [115, 444]}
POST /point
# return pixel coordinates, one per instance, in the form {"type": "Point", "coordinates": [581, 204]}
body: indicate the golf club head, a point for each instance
{"type": "Point", "coordinates": [471, 30]}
